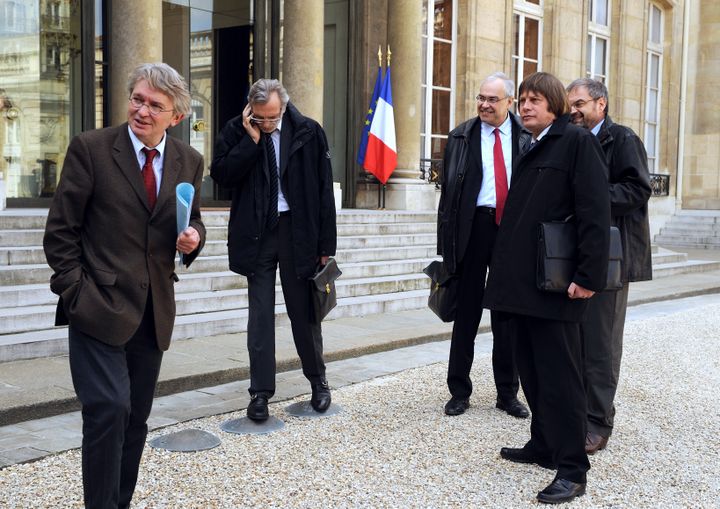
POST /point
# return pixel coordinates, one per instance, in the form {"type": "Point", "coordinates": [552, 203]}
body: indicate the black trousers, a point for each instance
{"type": "Point", "coordinates": [276, 248]}
{"type": "Point", "coordinates": [549, 359]}
{"type": "Point", "coordinates": [115, 385]}
{"type": "Point", "coordinates": [473, 271]}
{"type": "Point", "coordinates": [602, 333]}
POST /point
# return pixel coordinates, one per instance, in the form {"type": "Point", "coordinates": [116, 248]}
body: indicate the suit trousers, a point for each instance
{"type": "Point", "coordinates": [602, 334]}
{"type": "Point", "coordinates": [115, 386]}
{"type": "Point", "coordinates": [472, 271]}
{"type": "Point", "coordinates": [276, 249]}
{"type": "Point", "coordinates": [549, 360]}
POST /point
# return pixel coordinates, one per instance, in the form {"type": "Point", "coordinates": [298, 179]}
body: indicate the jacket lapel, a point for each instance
{"type": "Point", "coordinates": [170, 172]}
{"type": "Point", "coordinates": [124, 156]}
{"type": "Point", "coordinates": [474, 142]}
{"type": "Point", "coordinates": [286, 137]}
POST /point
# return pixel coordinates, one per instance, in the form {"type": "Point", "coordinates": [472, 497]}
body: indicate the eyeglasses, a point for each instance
{"type": "Point", "coordinates": [153, 109]}
{"type": "Point", "coordinates": [258, 121]}
{"type": "Point", "coordinates": [490, 100]}
{"type": "Point", "coordinates": [581, 102]}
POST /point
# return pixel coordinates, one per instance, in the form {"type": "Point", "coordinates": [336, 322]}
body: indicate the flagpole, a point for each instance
{"type": "Point", "coordinates": [381, 190]}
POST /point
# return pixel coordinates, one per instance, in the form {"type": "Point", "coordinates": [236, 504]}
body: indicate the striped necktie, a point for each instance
{"type": "Point", "coordinates": [272, 220]}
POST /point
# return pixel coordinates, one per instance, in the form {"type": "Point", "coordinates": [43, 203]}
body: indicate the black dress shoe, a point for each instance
{"type": "Point", "coordinates": [513, 407]}
{"type": "Point", "coordinates": [523, 455]}
{"type": "Point", "coordinates": [561, 490]}
{"type": "Point", "coordinates": [257, 410]}
{"type": "Point", "coordinates": [321, 397]}
{"type": "Point", "coordinates": [456, 406]}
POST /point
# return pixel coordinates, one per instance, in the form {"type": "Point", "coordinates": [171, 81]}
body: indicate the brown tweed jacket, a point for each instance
{"type": "Point", "coordinates": [108, 251]}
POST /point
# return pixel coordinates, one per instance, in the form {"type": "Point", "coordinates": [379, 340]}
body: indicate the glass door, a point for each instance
{"type": "Point", "coordinates": [210, 43]}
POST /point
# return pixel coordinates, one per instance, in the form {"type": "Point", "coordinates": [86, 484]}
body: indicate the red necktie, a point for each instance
{"type": "Point", "coordinates": [501, 184]}
{"type": "Point", "coordinates": [148, 176]}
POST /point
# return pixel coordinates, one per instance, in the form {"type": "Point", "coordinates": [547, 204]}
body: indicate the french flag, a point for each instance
{"type": "Point", "coordinates": [381, 155]}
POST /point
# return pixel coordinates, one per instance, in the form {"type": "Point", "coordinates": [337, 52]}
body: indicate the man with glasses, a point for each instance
{"type": "Point", "coordinates": [111, 241]}
{"type": "Point", "coordinates": [478, 165]}
{"type": "Point", "coordinates": [277, 163]}
{"type": "Point", "coordinates": [629, 185]}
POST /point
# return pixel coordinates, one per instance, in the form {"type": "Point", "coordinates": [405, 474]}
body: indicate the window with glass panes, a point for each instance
{"type": "Point", "coordinates": [527, 39]}
{"type": "Point", "coordinates": [438, 76]}
{"type": "Point", "coordinates": [653, 84]}
{"type": "Point", "coordinates": [598, 40]}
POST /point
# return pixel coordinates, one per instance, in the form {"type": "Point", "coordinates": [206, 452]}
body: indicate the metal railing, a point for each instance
{"type": "Point", "coordinates": [431, 171]}
{"type": "Point", "coordinates": [660, 184]}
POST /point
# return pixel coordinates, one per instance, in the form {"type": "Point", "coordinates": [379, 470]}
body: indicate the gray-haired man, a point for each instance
{"type": "Point", "coordinates": [277, 163]}
{"type": "Point", "coordinates": [629, 185]}
{"type": "Point", "coordinates": [478, 164]}
{"type": "Point", "coordinates": [111, 240]}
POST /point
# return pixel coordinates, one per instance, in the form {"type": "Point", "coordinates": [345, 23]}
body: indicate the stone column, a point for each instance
{"type": "Point", "coordinates": [405, 190]}
{"type": "Point", "coordinates": [404, 38]}
{"type": "Point", "coordinates": [303, 39]}
{"type": "Point", "coordinates": [136, 39]}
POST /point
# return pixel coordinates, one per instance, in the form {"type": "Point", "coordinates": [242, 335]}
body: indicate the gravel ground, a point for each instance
{"type": "Point", "coordinates": [393, 447]}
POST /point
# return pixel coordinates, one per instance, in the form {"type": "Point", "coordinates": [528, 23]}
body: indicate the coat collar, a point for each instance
{"type": "Point", "coordinates": [124, 156]}
{"type": "Point", "coordinates": [604, 136]}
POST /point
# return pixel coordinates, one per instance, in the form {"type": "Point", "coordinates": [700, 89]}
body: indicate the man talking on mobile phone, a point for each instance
{"type": "Point", "coordinates": [277, 163]}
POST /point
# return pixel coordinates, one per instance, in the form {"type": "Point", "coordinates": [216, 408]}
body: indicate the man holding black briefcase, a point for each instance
{"type": "Point", "coordinates": [277, 163]}
{"type": "Point", "coordinates": [562, 174]}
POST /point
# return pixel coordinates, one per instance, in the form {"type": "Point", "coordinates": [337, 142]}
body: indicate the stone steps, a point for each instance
{"type": "Point", "coordinates": [381, 254]}
{"type": "Point", "coordinates": [53, 341]}
{"type": "Point", "coordinates": [691, 229]}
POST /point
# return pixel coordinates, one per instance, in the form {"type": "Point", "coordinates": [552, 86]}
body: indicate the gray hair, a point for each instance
{"type": "Point", "coordinates": [262, 89]}
{"type": "Point", "coordinates": [165, 79]}
{"type": "Point", "coordinates": [596, 89]}
{"type": "Point", "coordinates": [507, 82]}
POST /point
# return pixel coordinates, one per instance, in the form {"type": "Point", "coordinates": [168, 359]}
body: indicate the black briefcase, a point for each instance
{"type": "Point", "coordinates": [557, 257]}
{"type": "Point", "coordinates": [322, 288]}
{"type": "Point", "coordinates": [443, 291]}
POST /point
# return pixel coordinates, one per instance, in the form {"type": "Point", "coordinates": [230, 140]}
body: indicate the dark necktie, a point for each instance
{"type": "Point", "coordinates": [272, 220]}
{"type": "Point", "coordinates": [501, 183]}
{"type": "Point", "coordinates": [148, 176]}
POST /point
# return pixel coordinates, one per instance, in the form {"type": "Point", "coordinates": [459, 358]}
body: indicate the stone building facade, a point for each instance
{"type": "Point", "coordinates": [63, 65]}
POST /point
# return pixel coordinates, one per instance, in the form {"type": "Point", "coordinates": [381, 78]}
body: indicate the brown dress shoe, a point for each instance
{"type": "Point", "coordinates": [594, 442]}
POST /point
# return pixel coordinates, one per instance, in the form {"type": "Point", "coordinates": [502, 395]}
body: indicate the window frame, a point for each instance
{"type": "Point", "coordinates": [653, 49]}
{"type": "Point", "coordinates": [598, 31]}
{"type": "Point", "coordinates": [427, 87]}
{"type": "Point", "coordinates": [525, 10]}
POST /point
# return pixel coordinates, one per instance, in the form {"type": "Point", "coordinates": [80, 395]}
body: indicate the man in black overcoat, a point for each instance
{"type": "Point", "coordinates": [629, 185]}
{"type": "Point", "coordinates": [477, 169]}
{"type": "Point", "coordinates": [557, 177]}
{"type": "Point", "coordinates": [277, 163]}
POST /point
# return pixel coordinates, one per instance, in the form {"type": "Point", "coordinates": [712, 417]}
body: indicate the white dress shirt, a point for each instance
{"type": "Point", "coordinates": [486, 196]}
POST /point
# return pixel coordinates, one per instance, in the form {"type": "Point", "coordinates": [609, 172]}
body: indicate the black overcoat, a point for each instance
{"type": "Point", "coordinates": [460, 185]}
{"type": "Point", "coordinates": [630, 191]}
{"type": "Point", "coordinates": [306, 179]}
{"type": "Point", "coordinates": [563, 174]}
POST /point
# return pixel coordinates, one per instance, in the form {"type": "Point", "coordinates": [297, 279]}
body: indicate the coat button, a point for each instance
{"type": "Point", "coordinates": [143, 284]}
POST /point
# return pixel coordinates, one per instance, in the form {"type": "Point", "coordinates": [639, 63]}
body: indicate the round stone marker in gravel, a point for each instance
{"type": "Point", "coordinates": [245, 426]}
{"type": "Point", "coordinates": [187, 440]}
{"type": "Point", "coordinates": [305, 409]}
